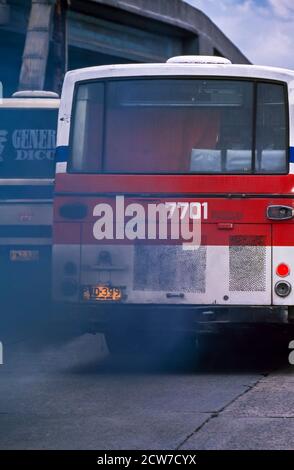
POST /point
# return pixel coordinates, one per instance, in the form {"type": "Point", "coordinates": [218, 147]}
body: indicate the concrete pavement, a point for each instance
{"type": "Point", "coordinates": [72, 395]}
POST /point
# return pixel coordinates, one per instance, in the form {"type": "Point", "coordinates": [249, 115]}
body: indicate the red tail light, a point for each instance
{"type": "Point", "coordinates": [283, 270]}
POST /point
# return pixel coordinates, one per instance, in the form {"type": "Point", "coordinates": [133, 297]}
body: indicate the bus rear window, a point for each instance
{"type": "Point", "coordinates": [179, 126]}
{"type": "Point", "coordinates": [27, 142]}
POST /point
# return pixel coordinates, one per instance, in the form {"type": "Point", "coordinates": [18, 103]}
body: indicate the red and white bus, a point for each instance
{"type": "Point", "coordinates": [174, 194]}
{"type": "Point", "coordinates": [28, 122]}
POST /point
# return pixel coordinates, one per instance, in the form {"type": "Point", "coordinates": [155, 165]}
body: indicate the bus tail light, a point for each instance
{"type": "Point", "coordinates": [283, 288]}
{"type": "Point", "coordinates": [279, 212]}
{"type": "Point", "coordinates": [283, 270]}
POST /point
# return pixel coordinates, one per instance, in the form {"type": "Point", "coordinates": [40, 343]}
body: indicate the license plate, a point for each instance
{"type": "Point", "coordinates": [102, 293]}
{"type": "Point", "coordinates": [24, 255]}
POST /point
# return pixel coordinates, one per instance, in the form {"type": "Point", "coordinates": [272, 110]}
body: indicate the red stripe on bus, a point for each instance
{"type": "Point", "coordinates": [219, 210]}
{"type": "Point", "coordinates": [239, 235]}
{"type": "Point", "coordinates": [177, 184]}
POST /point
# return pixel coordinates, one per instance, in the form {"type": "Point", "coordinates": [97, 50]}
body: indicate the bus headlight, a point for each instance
{"type": "Point", "coordinates": [283, 288]}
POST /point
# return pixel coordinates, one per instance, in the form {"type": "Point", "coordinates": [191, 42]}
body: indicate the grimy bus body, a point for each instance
{"type": "Point", "coordinates": [174, 194]}
{"type": "Point", "coordinates": [28, 122]}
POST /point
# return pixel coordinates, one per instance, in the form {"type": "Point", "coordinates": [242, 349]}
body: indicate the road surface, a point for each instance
{"type": "Point", "coordinates": [68, 393]}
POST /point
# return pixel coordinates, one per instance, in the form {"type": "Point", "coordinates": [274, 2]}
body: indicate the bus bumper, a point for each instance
{"type": "Point", "coordinates": [98, 318]}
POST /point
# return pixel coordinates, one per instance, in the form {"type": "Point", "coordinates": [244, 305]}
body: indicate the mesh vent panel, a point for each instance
{"type": "Point", "coordinates": [247, 264]}
{"type": "Point", "coordinates": [169, 268]}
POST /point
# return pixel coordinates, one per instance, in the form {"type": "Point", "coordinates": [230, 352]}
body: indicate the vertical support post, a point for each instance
{"type": "Point", "coordinates": [59, 44]}
{"type": "Point", "coordinates": [35, 56]}
{"type": "Point", "coordinates": [4, 12]}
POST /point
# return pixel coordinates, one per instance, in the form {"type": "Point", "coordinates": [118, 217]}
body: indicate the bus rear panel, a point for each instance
{"type": "Point", "coordinates": [177, 192]}
{"type": "Point", "coordinates": [27, 168]}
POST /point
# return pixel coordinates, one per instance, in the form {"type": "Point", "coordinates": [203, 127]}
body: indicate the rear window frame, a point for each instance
{"type": "Point", "coordinates": [254, 81]}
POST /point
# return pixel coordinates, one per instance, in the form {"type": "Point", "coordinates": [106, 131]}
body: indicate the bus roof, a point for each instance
{"type": "Point", "coordinates": [179, 69]}
{"type": "Point", "coordinates": [39, 103]}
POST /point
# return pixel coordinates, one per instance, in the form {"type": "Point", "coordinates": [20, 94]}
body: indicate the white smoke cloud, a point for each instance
{"type": "Point", "coordinates": [262, 29]}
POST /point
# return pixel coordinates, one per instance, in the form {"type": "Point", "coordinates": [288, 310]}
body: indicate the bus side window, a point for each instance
{"type": "Point", "coordinates": [87, 136]}
{"type": "Point", "coordinates": [271, 145]}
